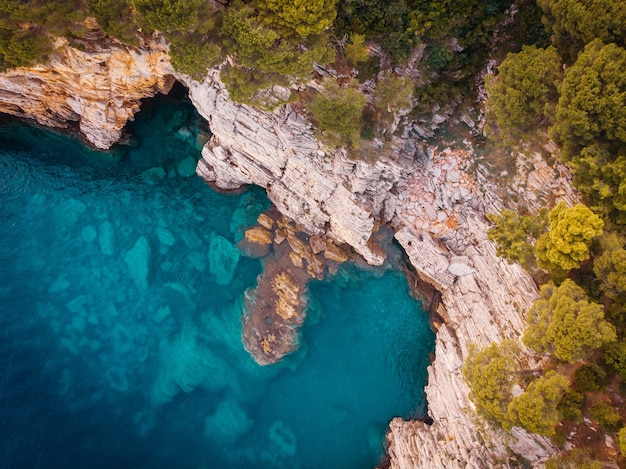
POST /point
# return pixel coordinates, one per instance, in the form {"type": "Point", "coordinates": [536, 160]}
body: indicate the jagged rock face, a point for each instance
{"type": "Point", "coordinates": [483, 300]}
{"type": "Point", "coordinates": [98, 90]}
{"type": "Point", "coordinates": [323, 191]}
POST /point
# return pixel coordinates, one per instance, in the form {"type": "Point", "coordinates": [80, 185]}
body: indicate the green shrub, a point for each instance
{"type": "Point", "coordinates": [337, 112]}
{"type": "Point", "coordinates": [571, 406]}
{"type": "Point", "coordinates": [489, 374]}
{"type": "Point", "coordinates": [587, 379]}
{"type": "Point", "coordinates": [193, 56]}
{"type": "Point", "coordinates": [606, 416]}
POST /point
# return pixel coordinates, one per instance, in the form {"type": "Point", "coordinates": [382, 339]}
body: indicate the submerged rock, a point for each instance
{"type": "Point", "coordinates": [228, 423]}
{"type": "Point", "coordinates": [223, 259]}
{"type": "Point", "coordinates": [116, 377]}
{"type": "Point", "coordinates": [283, 437]}
{"type": "Point", "coordinates": [106, 238]}
{"type": "Point", "coordinates": [138, 261]}
{"type": "Point", "coordinates": [274, 313]}
{"type": "Point", "coordinates": [186, 167]}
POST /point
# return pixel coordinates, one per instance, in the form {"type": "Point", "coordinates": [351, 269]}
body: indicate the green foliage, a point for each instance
{"type": "Point", "coordinates": [489, 374]}
{"type": "Point", "coordinates": [610, 267]}
{"type": "Point", "coordinates": [521, 95]}
{"type": "Point", "coordinates": [562, 321]}
{"type": "Point", "coordinates": [578, 458]}
{"type": "Point", "coordinates": [469, 21]}
{"type": "Point", "coordinates": [588, 378]}
{"type": "Point", "coordinates": [58, 18]}
{"type": "Point", "coordinates": [386, 22]}
{"type": "Point", "coordinates": [514, 234]}
{"type": "Point", "coordinates": [356, 51]}
{"type": "Point", "coordinates": [601, 177]}
{"type": "Point", "coordinates": [622, 440]}
{"type": "Point", "coordinates": [23, 48]}
{"type": "Point", "coordinates": [302, 17]}
{"type": "Point", "coordinates": [567, 243]}
{"type": "Point", "coordinates": [591, 127]}
{"type": "Point", "coordinates": [393, 93]}
{"type": "Point", "coordinates": [578, 22]}
{"type": "Point", "coordinates": [168, 15]}
{"type": "Point", "coordinates": [24, 28]}
{"type": "Point", "coordinates": [262, 58]}
{"type": "Point", "coordinates": [192, 55]}
{"type": "Point", "coordinates": [249, 86]}
{"type": "Point", "coordinates": [337, 112]}
{"type": "Point", "coordinates": [115, 17]}
{"type": "Point", "coordinates": [606, 415]}
{"type": "Point", "coordinates": [591, 106]}
{"type": "Point", "coordinates": [615, 357]}
{"type": "Point", "coordinates": [536, 408]}
{"type": "Point", "coordinates": [570, 407]}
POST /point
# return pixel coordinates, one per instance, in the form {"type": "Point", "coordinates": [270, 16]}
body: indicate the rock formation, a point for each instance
{"type": "Point", "coordinates": [99, 89]}
{"type": "Point", "coordinates": [437, 212]}
{"type": "Point", "coordinates": [276, 309]}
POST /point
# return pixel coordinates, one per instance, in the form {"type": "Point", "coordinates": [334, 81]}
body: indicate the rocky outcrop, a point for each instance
{"type": "Point", "coordinates": [276, 308]}
{"type": "Point", "coordinates": [442, 227]}
{"type": "Point", "coordinates": [322, 190]}
{"type": "Point", "coordinates": [99, 89]}
{"type": "Point", "coordinates": [438, 213]}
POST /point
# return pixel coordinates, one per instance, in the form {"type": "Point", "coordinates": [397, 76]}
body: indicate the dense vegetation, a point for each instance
{"type": "Point", "coordinates": [574, 92]}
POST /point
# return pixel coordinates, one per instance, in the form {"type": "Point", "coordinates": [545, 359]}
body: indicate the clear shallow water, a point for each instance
{"type": "Point", "coordinates": [120, 338]}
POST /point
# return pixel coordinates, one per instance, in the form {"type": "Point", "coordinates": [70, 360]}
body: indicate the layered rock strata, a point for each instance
{"type": "Point", "coordinates": [437, 212]}
{"type": "Point", "coordinates": [98, 89]}
{"type": "Point", "coordinates": [323, 191]}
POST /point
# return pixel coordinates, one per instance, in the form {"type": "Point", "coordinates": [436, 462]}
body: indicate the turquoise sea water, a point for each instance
{"type": "Point", "coordinates": [120, 339]}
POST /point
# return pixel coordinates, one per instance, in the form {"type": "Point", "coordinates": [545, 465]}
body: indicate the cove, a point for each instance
{"type": "Point", "coordinates": [121, 342]}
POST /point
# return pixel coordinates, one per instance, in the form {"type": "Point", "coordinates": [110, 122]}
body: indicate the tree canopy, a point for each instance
{"type": "Point", "coordinates": [582, 21]}
{"type": "Point", "coordinates": [536, 408]}
{"type": "Point", "coordinates": [567, 242]}
{"type": "Point", "coordinates": [564, 322]}
{"type": "Point", "coordinates": [302, 17]}
{"type": "Point", "coordinates": [591, 106]}
{"type": "Point", "coordinates": [489, 374]}
{"type": "Point", "coordinates": [524, 91]}
{"type": "Point", "coordinates": [514, 235]}
{"type": "Point", "coordinates": [168, 15]}
{"type": "Point", "coordinates": [337, 111]}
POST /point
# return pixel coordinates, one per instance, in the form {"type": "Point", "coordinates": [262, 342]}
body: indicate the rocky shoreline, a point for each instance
{"type": "Point", "coordinates": [435, 208]}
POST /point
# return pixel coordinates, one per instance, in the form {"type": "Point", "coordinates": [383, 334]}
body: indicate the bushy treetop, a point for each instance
{"type": "Point", "coordinates": [567, 242]}
{"type": "Point", "coordinates": [521, 94]}
{"type": "Point", "coordinates": [564, 322]}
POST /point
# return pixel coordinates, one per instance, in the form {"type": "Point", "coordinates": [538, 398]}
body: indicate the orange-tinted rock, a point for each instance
{"type": "Point", "coordinates": [258, 235]}
{"type": "Point", "coordinates": [317, 244]}
{"type": "Point", "coordinates": [265, 221]}
{"type": "Point", "coordinates": [334, 253]}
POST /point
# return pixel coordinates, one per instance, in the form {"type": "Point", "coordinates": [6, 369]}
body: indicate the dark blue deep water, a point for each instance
{"type": "Point", "coordinates": [120, 340]}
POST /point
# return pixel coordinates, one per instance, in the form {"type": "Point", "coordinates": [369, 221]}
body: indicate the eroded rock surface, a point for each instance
{"type": "Point", "coordinates": [320, 189]}
{"type": "Point", "coordinates": [99, 89]}
{"type": "Point", "coordinates": [275, 309]}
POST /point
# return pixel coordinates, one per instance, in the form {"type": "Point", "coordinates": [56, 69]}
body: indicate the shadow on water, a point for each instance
{"type": "Point", "coordinates": [121, 331]}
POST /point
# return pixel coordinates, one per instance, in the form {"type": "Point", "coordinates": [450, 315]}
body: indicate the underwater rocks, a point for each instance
{"type": "Point", "coordinates": [275, 310]}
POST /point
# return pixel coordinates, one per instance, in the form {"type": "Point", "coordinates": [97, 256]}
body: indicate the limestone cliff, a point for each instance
{"type": "Point", "coordinates": [99, 89]}
{"type": "Point", "coordinates": [437, 211]}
